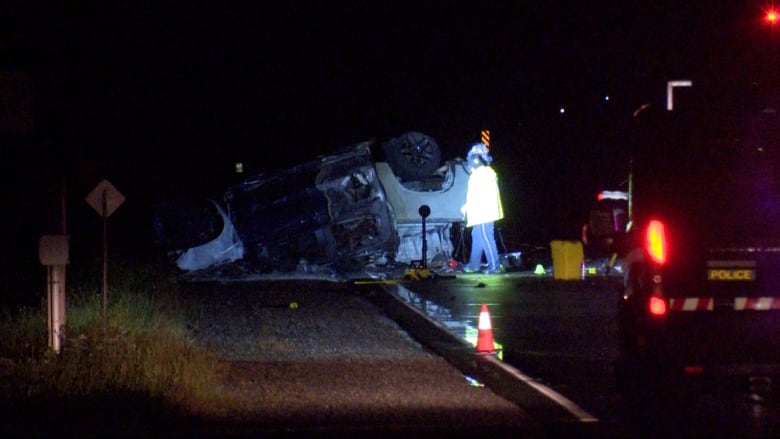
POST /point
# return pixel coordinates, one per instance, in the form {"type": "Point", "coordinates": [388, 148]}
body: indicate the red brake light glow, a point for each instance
{"type": "Point", "coordinates": [694, 369]}
{"type": "Point", "coordinates": [771, 16]}
{"type": "Point", "coordinates": [655, 241]}
{"type": "Point", "coordinates": [657, 306]}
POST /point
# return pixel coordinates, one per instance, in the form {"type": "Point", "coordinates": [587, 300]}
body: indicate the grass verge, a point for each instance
{"type": "Point", "coordinates": [140, 352]}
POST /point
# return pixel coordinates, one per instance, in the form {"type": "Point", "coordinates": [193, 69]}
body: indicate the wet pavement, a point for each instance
{"type": "Point", "coordinates": [564, 335]}
{"type": "Point", "coordinates": [456, 340]}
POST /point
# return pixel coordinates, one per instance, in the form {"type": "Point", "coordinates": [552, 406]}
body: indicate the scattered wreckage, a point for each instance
{"type": "Point", "coordinates": [343, 210]}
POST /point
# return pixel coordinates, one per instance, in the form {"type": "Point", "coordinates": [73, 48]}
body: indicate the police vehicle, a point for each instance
{"type": "Point", "coordinates": [700, 301]}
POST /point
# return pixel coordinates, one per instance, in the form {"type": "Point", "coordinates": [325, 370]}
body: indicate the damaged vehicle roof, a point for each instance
{"type": "Point", "coordinates": [341, 210]}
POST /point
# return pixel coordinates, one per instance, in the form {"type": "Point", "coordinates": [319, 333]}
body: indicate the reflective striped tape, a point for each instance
{"type": "Point", "coordinates": [691, 304]}
{"type": "Point", "coordinates": [756, 303]}
{"type": "Point", "coordinates": [708, 303]}
{"type": "Point", "coordinates": [485, 137]}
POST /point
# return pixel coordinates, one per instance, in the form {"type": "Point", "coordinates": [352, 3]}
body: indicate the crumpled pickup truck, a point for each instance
{"type": "Point", "coordinates": [343, 210]}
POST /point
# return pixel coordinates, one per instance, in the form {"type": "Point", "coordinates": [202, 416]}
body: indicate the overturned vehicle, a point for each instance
{"type": "Point", "coordinates": [343, 210]}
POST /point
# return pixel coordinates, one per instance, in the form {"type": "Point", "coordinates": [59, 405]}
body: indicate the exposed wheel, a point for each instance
{"type": "Point", "coordinates": [413, 156]}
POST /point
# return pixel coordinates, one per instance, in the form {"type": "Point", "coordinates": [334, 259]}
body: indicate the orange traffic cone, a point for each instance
{"type": "Point", "coordinates": [485, 343]}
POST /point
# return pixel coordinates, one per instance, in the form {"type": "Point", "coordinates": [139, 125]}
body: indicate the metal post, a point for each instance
{"type": "Point", "coordinates": [55, 296]}
{"type": "Point", "coordinates": [53, 253]}
{"type": "Point", "coordinates": [105, 254]}
{"type": "Point", "coordinates": [424, 212]}
{"type": "Point", "coordinates": [424, 246]}
{"type": "Point", "coordinates": [50, 304]}
{"type": "Point", "coordinates": [59, 305]}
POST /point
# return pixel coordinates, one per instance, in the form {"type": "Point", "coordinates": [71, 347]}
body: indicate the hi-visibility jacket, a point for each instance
{"type": "Point", "coordinates": [483, 200]}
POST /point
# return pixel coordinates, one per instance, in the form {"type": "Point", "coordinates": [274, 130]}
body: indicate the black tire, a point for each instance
{"type": "Point", "coordinates": [413, 156]}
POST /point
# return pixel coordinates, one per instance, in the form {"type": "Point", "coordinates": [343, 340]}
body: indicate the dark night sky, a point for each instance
{"type": "Point", "coordinates": [163, 97]}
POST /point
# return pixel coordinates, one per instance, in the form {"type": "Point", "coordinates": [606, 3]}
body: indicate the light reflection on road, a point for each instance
{"type": "Point", "coordinates": [562, 334]}
{"type": "Point", "coordinates": [464, 326]}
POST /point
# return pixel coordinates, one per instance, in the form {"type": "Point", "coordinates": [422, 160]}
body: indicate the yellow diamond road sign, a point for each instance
{"type": "Point", "coordinates": [105, 198]}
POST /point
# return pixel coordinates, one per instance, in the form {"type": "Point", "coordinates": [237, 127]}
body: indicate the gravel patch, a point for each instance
{"type": "Point", "coordinates": [315, 357]}
{"type": "Point", "coordinates": [272, 322]}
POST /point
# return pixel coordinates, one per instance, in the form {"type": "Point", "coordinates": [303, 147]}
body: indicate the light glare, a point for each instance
{"type": "Point", "coordinates": [657, 306]}
{"type": "Point", "coordinates": [656, 241]}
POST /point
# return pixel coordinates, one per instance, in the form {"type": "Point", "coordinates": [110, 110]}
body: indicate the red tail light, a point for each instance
{"type": "Point", "coordinates": [657, 306]}
{"type": "Point", "coordinates": [694, 369]}
{"type": "Point", "coordinates": [655, 242]}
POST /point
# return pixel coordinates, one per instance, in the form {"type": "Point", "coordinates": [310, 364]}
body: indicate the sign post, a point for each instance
{"type": "Point", "coordinates": [105, 199]}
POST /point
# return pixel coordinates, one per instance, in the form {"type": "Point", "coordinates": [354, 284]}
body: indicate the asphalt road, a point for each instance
{"type": "Point", "coordinates": [562, 335]}
{"type": "Point", "coordinates": [559, 332]}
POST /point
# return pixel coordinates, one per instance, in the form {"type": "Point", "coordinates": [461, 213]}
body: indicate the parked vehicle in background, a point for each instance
{"type": "Point", "coordinates": [603, 233]}
{"type": "Point", "coordinates": [701, 297]}
{"type": "Point", "coordinates": [342, 209]}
